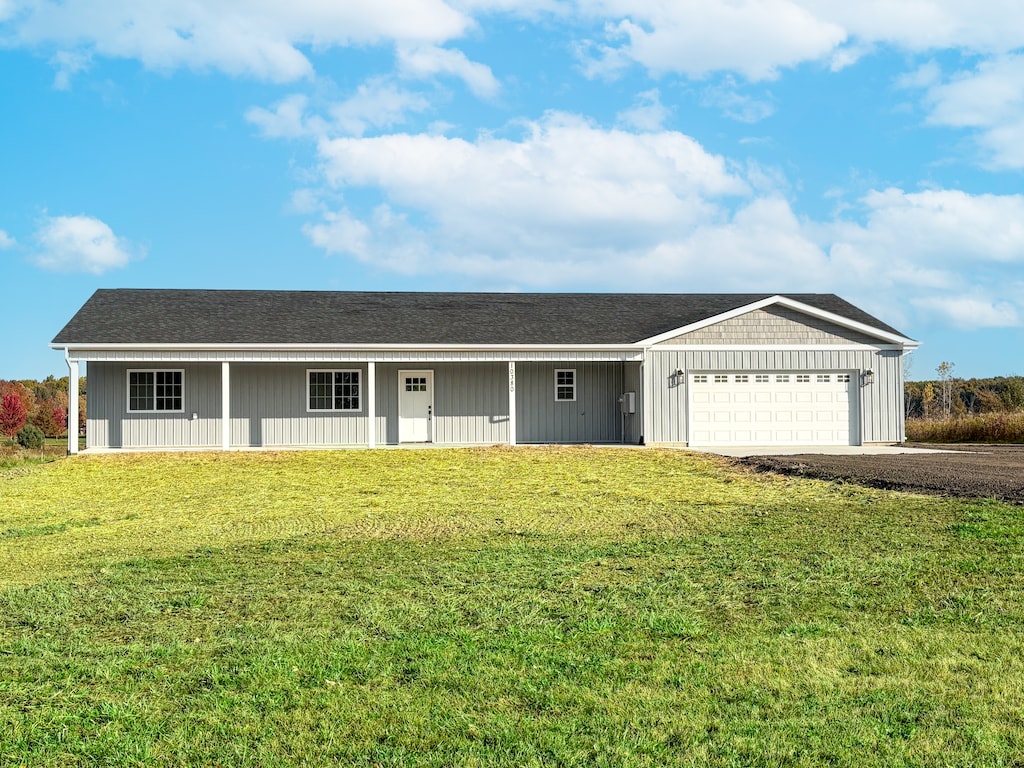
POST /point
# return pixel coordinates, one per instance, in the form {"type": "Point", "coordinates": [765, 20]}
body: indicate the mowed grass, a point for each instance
{"type": "Point", "coordinates": [500, 607]}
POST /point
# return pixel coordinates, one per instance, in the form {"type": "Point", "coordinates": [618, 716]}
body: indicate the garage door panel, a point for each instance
{"type": "Point", "coordinates": [825, 411]}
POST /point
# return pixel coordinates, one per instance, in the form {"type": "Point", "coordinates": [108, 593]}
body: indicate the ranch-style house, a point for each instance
{"type": "Point", "coordinates": [174, 369]}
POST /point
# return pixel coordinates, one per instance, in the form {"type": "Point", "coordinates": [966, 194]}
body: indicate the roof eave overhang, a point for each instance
{"type": "Point", "coordinates": [807, 309]}
{"type": "Point", "coordinates": [113, 347]}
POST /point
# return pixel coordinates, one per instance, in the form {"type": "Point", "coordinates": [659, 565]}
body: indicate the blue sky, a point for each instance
{"type": "Point", "coordinates": [870, 149]}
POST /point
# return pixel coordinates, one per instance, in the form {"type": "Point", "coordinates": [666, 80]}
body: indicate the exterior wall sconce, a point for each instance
{"type": "Point", "coordinates": [868, 377]}
{"type": "Point", "coordinates": [678, 373]}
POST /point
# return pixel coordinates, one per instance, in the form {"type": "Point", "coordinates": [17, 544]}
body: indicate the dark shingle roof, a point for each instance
{"type": "Point", "coordinates": [130, 316]}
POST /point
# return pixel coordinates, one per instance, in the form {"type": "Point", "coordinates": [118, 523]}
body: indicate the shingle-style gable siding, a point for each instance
{"type": "Point", "coordinates": [773, 325]}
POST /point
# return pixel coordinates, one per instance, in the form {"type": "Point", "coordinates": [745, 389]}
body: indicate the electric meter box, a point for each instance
{"type": "Point", "coordinates": [628, 402]}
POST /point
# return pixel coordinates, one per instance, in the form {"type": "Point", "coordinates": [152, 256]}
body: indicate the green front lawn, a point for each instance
{"type": "Point", "coordinates": [500, 607]}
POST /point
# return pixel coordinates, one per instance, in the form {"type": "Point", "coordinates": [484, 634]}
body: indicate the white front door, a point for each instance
{"type": "Point", "coordinates": [415, 406]}
{"type": "Point", "coordinates": [773, 408]}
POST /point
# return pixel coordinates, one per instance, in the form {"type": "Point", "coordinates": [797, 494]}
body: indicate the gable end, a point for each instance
{"type": "Point", "coordinates": [773, 325]}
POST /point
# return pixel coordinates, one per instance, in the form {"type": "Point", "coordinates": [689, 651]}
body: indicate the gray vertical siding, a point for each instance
{"type": "Point", "coordinates": [268, 408]}
{"type": "Point", "coordinates": [470, 402]}
{"type": "Point", "coordinates": [634, 422]}
{"type": "Point", "coordinates": [593, 418]}
{"type": "Point", "coordinates": [880, 404]}
{"type": "Point", "coordinates": [109, 425]}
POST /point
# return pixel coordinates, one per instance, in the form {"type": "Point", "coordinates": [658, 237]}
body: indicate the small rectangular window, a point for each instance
{"type": "Point", "coordinates": [700, 379]}
{"type": "Point", "coordinates": [415, 383]}
{"type": "Point", "coordinates": [334, 390]}
{"type": "Point", "coordinates": [843, 378]}
{"type": "Point", "coordinates": [761, 378]}
{"type": "Point", "coordinates": [803, 378]}
{"type": "Point", "coordinates": [565, 384]}
{"type": "Point", "coordinates": [824, 378]}
{"type": "Point", "coordinates": [721, 378]}
{"type": "Point", "coordinates": [742, 378]}
{"type": "Point", "coordinates": [156, 391]}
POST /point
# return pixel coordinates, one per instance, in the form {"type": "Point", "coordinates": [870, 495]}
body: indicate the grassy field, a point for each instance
{"type": "Point", "coordinates": [515, 607]}
{"type": "Point", "coordinates": [976, 428]}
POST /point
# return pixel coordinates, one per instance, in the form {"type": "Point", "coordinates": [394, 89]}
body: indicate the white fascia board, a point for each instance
{"type": "Point", "coordinates": [354, 347]}
{"type": "Point", "coordinates": [669, 348]}
{"type": "Point", "coordinates": [845, 322]}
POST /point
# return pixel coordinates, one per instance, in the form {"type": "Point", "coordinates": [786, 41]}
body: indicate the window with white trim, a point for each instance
{"type": "Point", "coordinates": [782, 378]}
{"type": "Point", "coordinates": [761, 378]}
{"type": "Point", "coordinates": [700, 378]}
{"type": "Point", "coordinates": [565, 384]}
{"type": "Point", "coordinates": [721, 378]}
{"type": "Point", "coordinates": [156, 391]}
{"type": "Point", "coordinates": [742, 378]}
{"type": "Point", "coordinates": [824, 378]}
{"type": "Point", "coordinates": [334, 390]}
{"type": "Point", "coordinates": [843, 378]}
{"type": "Point", "coordinates": [803, 378]}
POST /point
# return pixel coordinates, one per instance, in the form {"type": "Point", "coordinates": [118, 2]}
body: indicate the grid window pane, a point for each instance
{"type": "Point", "coordinates": [320, 391]}
{"type": "Point", "coordinates": [140, 391]}
{"type": "Point", "coordinates": [168, 390]}
{"type": "Point", "coordinates": [334, 390]}
{"type": "Point", "coordinates": [565, 385]}
{"type": "Point", "coordinates": [346, 390]}
{"type": "Point", "coordinates": [150, 391]}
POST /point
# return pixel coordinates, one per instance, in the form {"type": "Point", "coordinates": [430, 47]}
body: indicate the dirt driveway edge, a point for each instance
{"type": "Point", "coordinates": [974, 471]}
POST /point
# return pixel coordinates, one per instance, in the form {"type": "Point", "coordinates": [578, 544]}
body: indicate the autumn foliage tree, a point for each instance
{"type": "Point", "coordinates": [13, 414]}
{"type": "Point", "coordinates": [44, 404]}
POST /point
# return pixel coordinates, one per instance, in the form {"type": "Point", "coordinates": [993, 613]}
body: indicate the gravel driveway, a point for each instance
{"type": "Point", "coordinates": [989, 471]}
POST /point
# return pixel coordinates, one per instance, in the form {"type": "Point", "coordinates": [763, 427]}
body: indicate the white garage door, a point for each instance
{"type": "Point", "coordinates": [772, 408]}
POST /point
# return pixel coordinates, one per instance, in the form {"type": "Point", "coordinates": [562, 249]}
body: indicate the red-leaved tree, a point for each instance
{"type": "Point", "coordinates": [13, 414]}
{"type": "Point", "coordinates": [60, 418]}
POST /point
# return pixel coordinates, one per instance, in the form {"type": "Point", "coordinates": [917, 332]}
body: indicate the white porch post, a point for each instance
{"type": "Point", "coordinates": [225, 405]}
{"type": "Point", "coordinates": [511, 402]}
{"type": "Point", "coordinates": [646, 399]}
{"type": "Point", "coordinates": [72, 405]}
{"type": "Point", "coordinates": [371, 404]}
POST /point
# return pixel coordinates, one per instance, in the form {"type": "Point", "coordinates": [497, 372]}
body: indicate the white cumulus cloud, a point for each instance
{"type": "Point", "coordinates": [376, 104]}
{"type": "Point", "coordinates": [647, 114]}
{"type": "Point", "coordinates": [988, 100]}
{"type": "Point", "coordinates": [570, 203]}
{"type": "Point", "coordinates": [970, 312]}
{"type": "Point", "coordinates": [257, 38]}
{"type": "Point", "coordinates": [81, 244]}
{"type": "Point", "coordinates": [426, 61]}
{"type": "Point", "coordinates": [696, 37]}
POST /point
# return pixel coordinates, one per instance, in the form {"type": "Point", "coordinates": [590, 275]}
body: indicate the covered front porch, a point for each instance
{"type": "Point", "coordinates": [345, 402]}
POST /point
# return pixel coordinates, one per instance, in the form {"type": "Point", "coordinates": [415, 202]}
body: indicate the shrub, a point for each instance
{"type": "Point", "coordinates": [31, 436]}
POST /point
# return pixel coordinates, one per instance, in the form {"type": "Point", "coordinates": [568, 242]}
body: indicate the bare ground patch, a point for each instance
{"type": "Point", "coordinates": [974, 471]}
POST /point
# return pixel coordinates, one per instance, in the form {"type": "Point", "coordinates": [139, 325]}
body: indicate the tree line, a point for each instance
{"type": "Point", "coordinates": [43, 404]}
{"type": "Point", "coordinates": [948, 396]}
